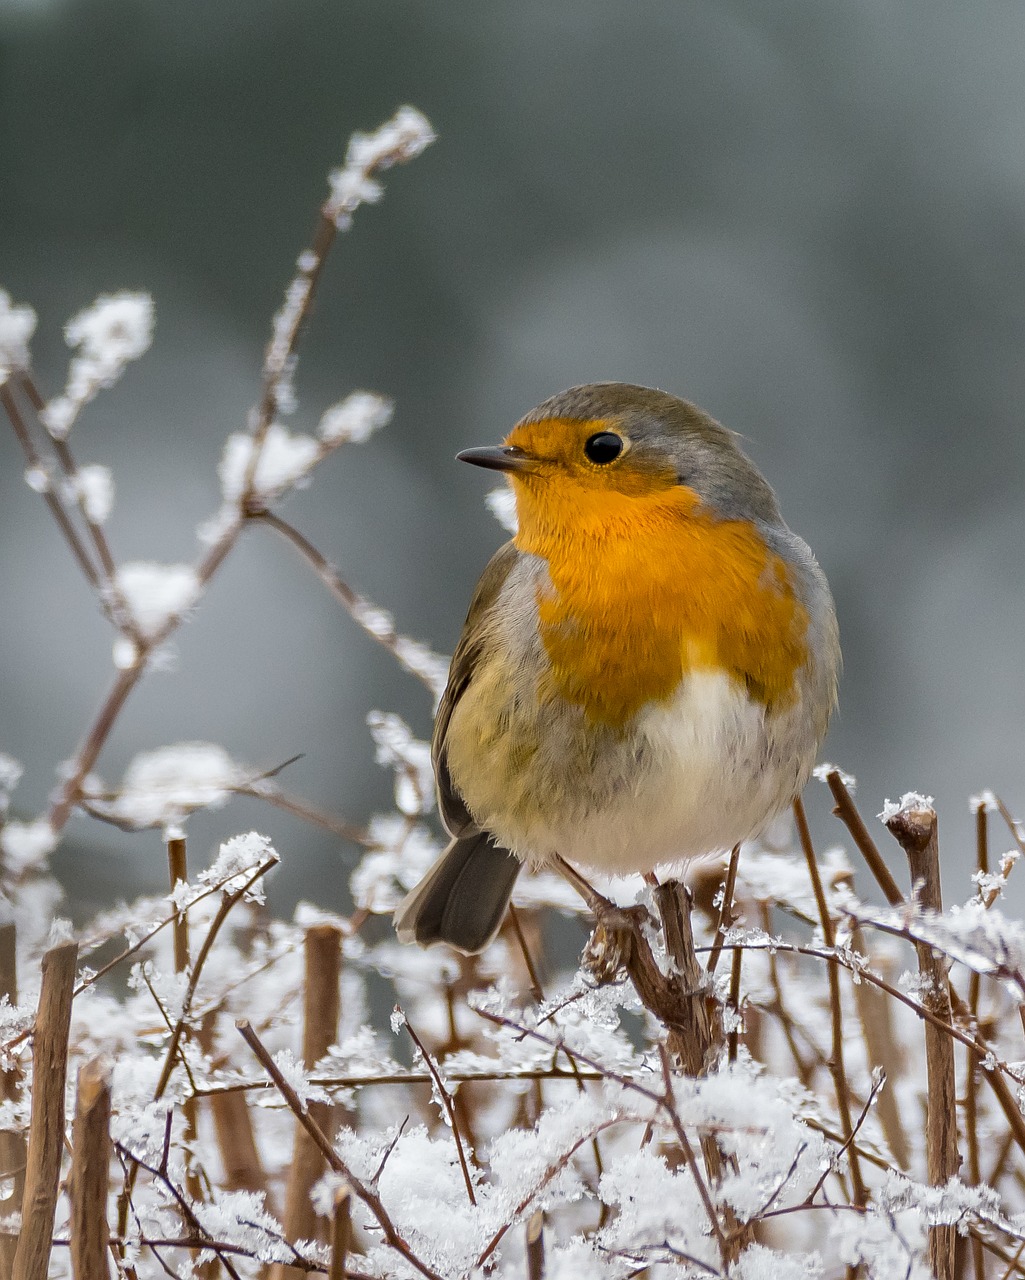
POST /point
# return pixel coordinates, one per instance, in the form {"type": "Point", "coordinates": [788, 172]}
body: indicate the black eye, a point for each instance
{"type": "Point", "coordinates": [605, 447]}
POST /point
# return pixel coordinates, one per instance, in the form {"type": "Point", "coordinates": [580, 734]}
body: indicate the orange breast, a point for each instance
{"type": "Point", "coordinates": [648, 588]}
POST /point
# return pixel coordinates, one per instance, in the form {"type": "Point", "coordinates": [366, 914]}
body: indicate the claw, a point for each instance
{"type": "Point", "coordinates": [611, 945]}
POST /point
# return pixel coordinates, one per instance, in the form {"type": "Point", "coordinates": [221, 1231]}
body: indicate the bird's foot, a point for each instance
{"type": "Point", "coordinates": [611, 946]}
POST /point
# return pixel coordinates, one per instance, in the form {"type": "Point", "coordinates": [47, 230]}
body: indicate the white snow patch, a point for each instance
{"type": "Point", "coordinates": [401, 138]}
{"type": "Point", "coordinates": [285, 461]}
{"type": "Point", "coordinates": [93, 487]}
{"type": "Point", "coordinates": [17, 325]}
{"type": "Point", "coordinates": [355, 419]}
{"type": "Point", "coordinates": [115, 330]}
{"type": "Point", "coordinates": [156, 593]}
{"type": "Point", "coordinates": [910, 802]}
{"type": "Point", "coordinates": [26, 845]}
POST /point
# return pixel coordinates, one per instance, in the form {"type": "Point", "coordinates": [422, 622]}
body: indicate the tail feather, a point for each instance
{"type": "Point", "coordinates": [462, 899]}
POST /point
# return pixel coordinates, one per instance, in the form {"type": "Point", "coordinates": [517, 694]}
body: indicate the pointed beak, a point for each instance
{"type": "Point", "coordinates": [500, 457]}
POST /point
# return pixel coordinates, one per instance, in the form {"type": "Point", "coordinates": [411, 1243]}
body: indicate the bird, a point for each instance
{"type": "Point", "coordinates": [647, 669]}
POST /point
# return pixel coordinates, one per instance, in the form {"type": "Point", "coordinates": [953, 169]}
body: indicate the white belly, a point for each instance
{"type": "Point", "coordinates": [691, 777]}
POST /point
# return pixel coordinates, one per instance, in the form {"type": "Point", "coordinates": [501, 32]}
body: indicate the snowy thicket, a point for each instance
{"type": "Point", "coordinates": [506, 1119]}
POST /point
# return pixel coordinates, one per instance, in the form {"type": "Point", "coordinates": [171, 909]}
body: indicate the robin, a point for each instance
{"type": "Point", "coordinates": [646, 671]}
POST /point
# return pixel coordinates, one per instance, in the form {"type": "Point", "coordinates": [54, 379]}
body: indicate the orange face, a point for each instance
{"type": "Point", "coordinates": [648, 584]}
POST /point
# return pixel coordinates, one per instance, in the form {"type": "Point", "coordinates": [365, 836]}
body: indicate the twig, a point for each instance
{"type": "Point", "coordinates": [882, 1047]}
{"type": "Point", "coordinates": [369, 1197]}
{"type": "Point", "coordinates": [51, 496]}
{"type": "Point", "coordinates": [847, 811]}
{"type": "Point", "coordinates": [536, 989]}
{"type": "Point", "coordinates": [408, 1077]}
{"type": "Point", "coordinates": [12, 1144]}
{"type": "Point", "coordinates": [178, 871]}
{"type": "Point", "coordinates": [425, 666]}
{"type": "Point", "coordinates": [228, 901]}
{"type": "Point", "coordinates": [732, 1040]}
{"type": "Point", "coordinates": [691, 1037]}
{"type": "Point", "coordinates": [836, 1064]}
{"type": "Point", "coordinates": [972, 1060]}
{"type": "Point", "coordinates": [341, 1234]}
{"type": "Point", "coordinates": [90, 1172]}
{"type": "Point", "coordinates": [726, 1253]}
{"type": "Point", "coordinates": [915, 832]}
{"type": "Point", "coordinates": [233, 1127]}
{"type": "Point", "coordinates": [534, 1245]}
{"type": "Point", "coordinates": [46, 1128]}
{"type": "Point", "coordinates": [729, 888]}
{"type": "Point", "coordinates": [321, 1008]}
{"type": "Point", "coordinates": [183, 1204]}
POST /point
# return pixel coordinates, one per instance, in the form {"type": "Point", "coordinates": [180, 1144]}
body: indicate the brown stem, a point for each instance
{"type": "Point", "coordinates": [534, 1231]}
{"type": "Point", "coordinates": [228, 901]}
{"type": "Point", "coordinates": [882, 1047]}
{"type": "Point", "coordinates": [916, 832]}
{"type": "Point", "coordinates": [279, 355]}
{"type": "Point", "coordinates": [725, 909]}
{"type": "Point", "coordinates": [90, 1172]}
{"type": "Point", "coordinates": [50, 496]}
{"type": "Point", "coordinates": [732, 1040]}
{"type": "Point", "coordinates": [847, 811]}
{"type": "Point", "coordinates": [357, 605]}
{"type": "Point", "coordinates": [233, 1127]}
{"type": "Point", "coordinates": [341, 1234]}
{"type": "Point", "coordinates": [178, 871]}
{"type": "Point", "coordinates": [837, 1065]}
{"type": "Point", "coordinates": [447, 1103]}
{"type": "Point", "coordinates": [321, 1009]}
{"type": "Point", "coordinates": [12, 1144]}
{"type": "Point", "coordinates": [369, 1197]}
{"type": "Point", "coordinates": [972, 1061]}
{"type": "Point", "coordinates": [46, 1127]}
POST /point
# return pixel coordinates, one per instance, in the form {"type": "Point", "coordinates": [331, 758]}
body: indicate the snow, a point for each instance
{"type": "Point", "coordinates": [402, 138]}
{"type": "Point", "coordinates": [162, 787]}
{"type": "Point", "coordinates": [93, 487]}
{"type": "Point", "coordinates": [26, 845]}
{"type": "Point", "coordinates": [285, 461]}
{"type": "Point", "coordinates": [398, 749]}
{"type": "Point", "coordinates": [157, 593]}
{"type": "Point", "coordinates": [11, 771]}
{"type": "Point", "coordinates": [124, 653]}
{"type": "Point", "coordinates": [355, 419]}
{"type": "Point", "coordinates": [107, 336]}
{"type": "Point", "coordinates": [910, 802]}
{"type": "Point", "coordinates": [821, 772]}
{"type": "Point", "coordinates": [236, 861]}
{"type": "Point", "coordinates": [38, 479]}
{"type": "Point", "coordinates": [17, 325]}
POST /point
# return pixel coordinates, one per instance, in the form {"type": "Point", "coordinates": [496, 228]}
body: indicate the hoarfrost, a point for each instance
{"type": "Point", "coordinates": [11, 771]}
{"type": "Point", "coordinates": [157, 593]}
{"type": "Point", "coordinates": [398, 749]}
{"type": "Point", "coordinates": [93, 487]}
{"type": "Point", "coordinates": [164, 786]}
{"type": "Point", "coordinates": [355, 419]}
{"type": "Point", "coordinates": [115, 330]}
{"type": "Point", "coordinates": [402, 138]}
{"type": "Point", "coordinates": [236, 862]}
{"type": "Point", "coordinates": [910, 802]}
{"type": "Point", "coordinates": [26, 845]}
{"type": "Point", "coordinates": [17, 325]}
{"type": "Point", "coordinates": [285, 461]}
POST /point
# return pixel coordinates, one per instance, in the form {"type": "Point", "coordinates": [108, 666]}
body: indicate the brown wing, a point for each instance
{"type": "Point", "coordinates": [454, 812]}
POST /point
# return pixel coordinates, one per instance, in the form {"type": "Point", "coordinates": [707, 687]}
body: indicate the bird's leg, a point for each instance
{"type": "Point", "coordinates": [612, 943]}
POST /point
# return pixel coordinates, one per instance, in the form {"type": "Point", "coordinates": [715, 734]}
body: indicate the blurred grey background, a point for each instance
{"type": "Point", "coordinates": [809, 217]}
